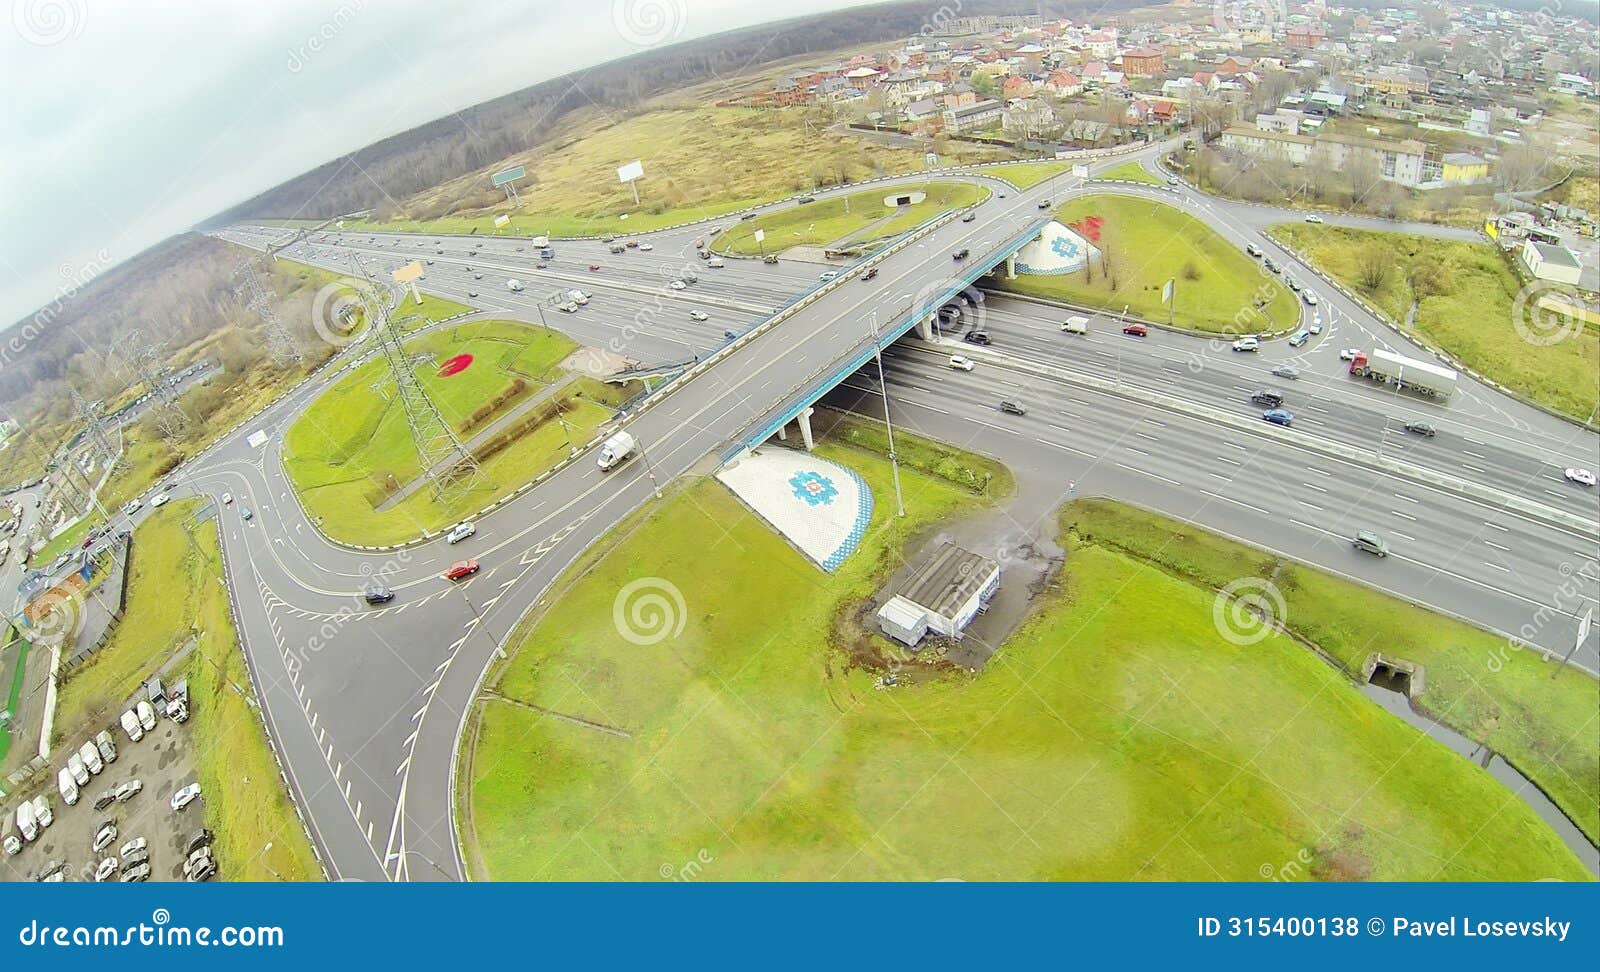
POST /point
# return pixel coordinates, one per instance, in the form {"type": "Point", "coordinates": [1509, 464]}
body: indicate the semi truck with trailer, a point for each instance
{"type": "Point", "coordinates": [1422, 377]}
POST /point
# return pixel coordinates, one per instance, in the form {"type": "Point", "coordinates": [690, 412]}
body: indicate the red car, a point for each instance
{"type": "Point", "coordinates": [594, 266]}
{"type": "Point", "coordinates": [460, 569]}
{"type": "Point", "coordinates": [1137, 330]}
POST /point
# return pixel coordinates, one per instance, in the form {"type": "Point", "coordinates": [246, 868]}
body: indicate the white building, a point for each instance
{"type": "Point", "coordinates": [941, 596]}
{"type": "Point", "coordinates": [1556, 264]}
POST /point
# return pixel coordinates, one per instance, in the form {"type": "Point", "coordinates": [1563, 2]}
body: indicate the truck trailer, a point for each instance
{"type": "Point", "coordinates": [1423, 377]}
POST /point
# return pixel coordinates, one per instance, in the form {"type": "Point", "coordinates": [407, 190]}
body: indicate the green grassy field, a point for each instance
{"type": "Point", "coordinates": [352, 447]}
{"type": "Point", "coordinates": [1115, 736]}
{"type": "Point", "coordinates": [1545, 726]}
{"type": "Point", "coordinates": [698, 163]}
{"type": "Point", "coordinates": [1129, 172]}
{"type": "Point", "coordinates": [1465, 294]}
{"type": "Point", "coordinates": [1026, 175]}
{"type": "Point", "coordinates": [1145, 244]}
{"type": "Point", "coordinates": [858, 217]}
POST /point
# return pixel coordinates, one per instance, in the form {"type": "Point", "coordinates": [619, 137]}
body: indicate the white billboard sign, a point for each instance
{"type": "Point", "coordinates": [501, 220]}
{"type": "Point", "coordinates": [631, 171]}
{"type": "Point", "coordinates": [760, 235]}
{"type": "Point", "coordinates": [1080, 171]}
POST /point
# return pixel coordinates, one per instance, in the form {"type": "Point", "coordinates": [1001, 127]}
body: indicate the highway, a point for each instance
{"type": "Point", "coordinates": [365, 705]}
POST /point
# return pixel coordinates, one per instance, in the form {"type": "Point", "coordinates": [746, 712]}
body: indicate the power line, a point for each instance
{"type": "Point", "coordinates": [280, 343]}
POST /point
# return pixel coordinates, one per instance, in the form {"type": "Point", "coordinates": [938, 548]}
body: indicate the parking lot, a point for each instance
{"type": "Point", "coordinates": [163, 761]}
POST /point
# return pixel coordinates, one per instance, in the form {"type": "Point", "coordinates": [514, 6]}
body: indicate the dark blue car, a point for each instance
{"type": "Point", "coordinates": [1279, 416]}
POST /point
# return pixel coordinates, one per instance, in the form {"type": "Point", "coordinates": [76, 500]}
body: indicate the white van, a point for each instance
{"type": "Point", "coordinates": [1076, 325]}
{"type": "Point", "coordinates": [91, 758]}
{"type": "Point", "coordinates": [27, 825]}
{"type": "Point", "coordinates": [130, 725]}
{"type": "Point", "coordinates": [106, 745]}
{"type": "Point", "coordinates": [68, 787]}
{"type": "Point", "coordinates": [79, 772]}
{"type": "Point", "coordinates": [147, 715]}
{"type": "Point", "coordinates": [42, 811]}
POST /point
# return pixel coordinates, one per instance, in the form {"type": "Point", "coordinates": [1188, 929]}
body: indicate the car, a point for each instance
{"type": "Point", "coordinates": [1247, 344]}
{"type": "Point", "coordinates": [748, 216]}
{"type": "Point", "coordinates": [969, 217]}
{"type": "Point", "coordinates": [196, 859]}
{"type": "Point", "coordinates": [472, 293]}
{"type": "Point", "coordinates": [1135, 330]}
{"type": "Point", "coordinates": [827, 274]}
{"type": "Point", "coordinates": [1253, 250]}
{"type": "Point", "coordinates": [378, 595]}
{"type": "Point", "coordinates": [127, 790]}
{"type": "Point", "coordinates": [716, 262]}
{"type": "Point", "coordinates": [594, 268]}
{"type": "Point", "coordinates": [1271, 266]}
{"type": "Point", "coordinates": [805, 199]}
{"type": "Point", "coordinates": [138, 856]}
{"type": "Point", "coordinates": [678, 285]}
{"type": "Point", "coordinates": [201, 838]}
{"type": "Point", "coordinates": [461, 569]}
{"type": "Point", "coordinates": [1001, 195]}
{"type": "Point", "coordinates": [646, 247]}
{"type": "Point", "coordinates": [106, 868]}
{"type": "Point", "coordinates": [960, 362]}
{"type": "Point", "coordinates": [1315, 327]}
{"type": "Point", "coordinates": [477, 276]}
{"type": "Point", "coordinates": [1012, 408]}
{"type": "Point", "coordinates": [160, 499]}
{"type": "Point", "coordinates": [13, 845]}
{"type": "Point", "coordinates": [1310, 297]}
{"type": "Point", "coordinates": [769, 258]}
{"type": "Point", "coordinates": [136, 844]}
{"type": "Point", "coordinates": [871, 272]}
{"type": "Point", "coordinates": [430, 263]}
{"type": "Point", "coordinates": [185, 796]}
{"type": "Point", "coordinates": [541, 265]}
{"type": "Point", "coordinates": [570, 307]}
{"type": "Point", "coordinates": [1313, 218]}
{"type": "Point", "coordinates": [1294, 284]}
{"type": "Point", "coordinates": [245, 514]}
{"type": "Point", "coordinates": [699, 316]}
{"type": "Point", "coordinates": [104, 800]}
{"type": "Point", "coordinates": [977, 337]}
{"type": "Point", "coordinates": [1371, 543]}
{"type": "Point", "coordinates": [1174, 181]}
{"type": "Point", "coordinates": [1044, 204]}
{"type": "Point", "coordinates": [1287, 371]}
{"type": "Point", "coordinates": [138, 872]}
{"type": "Point", "coordinates": [961, 254]}
{"type": "Point", "coordinates": [1582, 477]}
{"type": "Point", "coordinates": [699, 244]}
{"type": "Point", "coordinates": [1300, 337]}
{"type": "Point", "coordinates": [1279, 416]}
{"type": "Point", "coordinates": [53, 872]}
{"type": "Point", "coordinates": [1267, 397]}
{"type": "Point", "coordinates": [203, 870]}
{"type": "Point", "coordinates": [460, 532]}
{"type": "Point", "coordinates": [519, 249]}
{"type": "Point", "coordinates": [133, 507]}
{"type": "Point", "coordinates": [227, 499]}
{"type": "Point", "coordinates": [104, 835]}
{"type": "Point", "coordinates": [1421, 428]}
{"type": "Point", "coordinates": [1348, 354]}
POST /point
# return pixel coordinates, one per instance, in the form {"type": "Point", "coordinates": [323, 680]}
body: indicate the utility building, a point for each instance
{"type": "Point", "coordinates": [941, 596]}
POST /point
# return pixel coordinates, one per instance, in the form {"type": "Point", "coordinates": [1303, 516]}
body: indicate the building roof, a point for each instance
{"type": "Point", "coordinates": [1558, 256]}
{"type": "Point", "coordinates": [1142, 52]}
{"type": "Point", "coordinates": [1250, 132]}
{"type": "Point", "coordinates": [1463, 158]}
{"type": "Point", "coordinates": [1409, 146]}
{"type": "Point", "coordinates": [976, 108]}
{"type": "Point", "coordinates": [947, 579]}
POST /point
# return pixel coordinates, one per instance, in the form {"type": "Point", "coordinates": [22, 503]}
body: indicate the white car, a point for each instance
{"type": "Point", "coordinates": [106, 869]}
{"type": "Point", "coordinates": [1582, 477]}
{"type": "Point", "coordinates": [127, 790]}
{"type": "Point", "coordinates": [104, 836]}
{"type": "Point", "coordinates": [1313, 219]}
{"type": "Point", "coordinates": [160, 499]}
{"type": "Point", "coordinates": [646, 247]}
{"type": "Point", "coordinates": [227, 499]}
{"type": "Point", "coordinates": [13, 845]}
{"type": "Point", "coordinates": [827, 275]}
{"type": "Point", "coordinates": [461, 531]}
{"type": "Point", "coordinates": [1310, 297]}
{"type": "Point", "coordinates": [184, 797]}
{"type": "Point", "coordinates": [699, 316]}
{"type": "Point", "coordinates": [677, 285]}
{"type": "Point", "coordinates": [960, 363]}
{"type": "Point", "coordinates": [1348, 354]}
{"type": "Point", "coordinates": [136, 844]}
{"type": "Point", "coordinates": [1247, 344]}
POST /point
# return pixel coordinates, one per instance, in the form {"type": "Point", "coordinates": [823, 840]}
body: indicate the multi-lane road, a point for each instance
{"type": "Point", "coordinates": [365, 704]}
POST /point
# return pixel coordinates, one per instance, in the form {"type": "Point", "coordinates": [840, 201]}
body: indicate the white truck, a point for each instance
{"type": "Point", "coordinates": [91, 758]}
{"type": "Point", "coordinates": [79, 772]}
{"type": "Point", "coordinates": [68, 787]}
{"type": "Point", "coordinates": [131, 726]}
{"type": "Point", "coordinates": [27, 823]}
{"type": "Point", "coordinates": [1423, 377]}
{"type": "Point", "coordinates": [514, 285]}
{"type": "Point", "coordinates": [577, 297]}
{"type": "Point", "coordinates": [616, 449]}
{"type": "Point", "coordinates": [178, 701]}
{"type": "Point", "coordinates": [42, 812]}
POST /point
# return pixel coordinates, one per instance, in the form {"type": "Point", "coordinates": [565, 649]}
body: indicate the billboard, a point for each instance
{"type": "Point", "coordinates": [408, 273]}
{"type": "Point", "coordinates": [508, 175]}
{"type": "Point", "coordinates": [631, 171]}
{"type": "Point", "coordinates": [501, 220]}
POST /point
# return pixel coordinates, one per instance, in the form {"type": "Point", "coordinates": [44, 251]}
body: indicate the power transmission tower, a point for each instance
{"type": "Point", "coordinates": [280, 343]}
{"type": "Point", "coordinates": [94, 427]}
{"type": "Point", "coordinates": [169, 416]}
{"type": "Point", "coordinates": [449, 466]}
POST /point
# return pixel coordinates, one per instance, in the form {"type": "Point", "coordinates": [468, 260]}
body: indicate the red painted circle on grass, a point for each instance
{"type": "Point", "coordinates": [455, 365]}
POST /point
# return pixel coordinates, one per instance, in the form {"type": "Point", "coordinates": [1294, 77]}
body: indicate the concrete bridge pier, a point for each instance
{"type": "Point", "coordinates": [925, 327]}
{"type": "Point", "coordinates": [1011, 266]}
{"type": "Point", "coordinates": [804, 421]}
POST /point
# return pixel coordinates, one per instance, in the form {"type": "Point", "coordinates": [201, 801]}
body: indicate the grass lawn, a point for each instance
{"type": "Point", "coordinates": [1465, 294]}
{"type": "Point", "coordinates": [342, 452]}
{"type": "Point", "coordinates": [1145, 244]}
{"type": "Point", "coordinates": [859, 217]}
{"type": "Point", "coordinates": [1129, 172]}
{"type": "Point", "coordinates": [1507, 700]}
{"type": "Point", "coordinates": [68, 540]}
{"type": "Point", "coordinates": [173, 595]}
{"type": "Point", "coordinates": [1115, 737]}
{"type": "Point", "coordinates": [698, 163]}
{"type": "Point", "coordinates": [1026, 175]}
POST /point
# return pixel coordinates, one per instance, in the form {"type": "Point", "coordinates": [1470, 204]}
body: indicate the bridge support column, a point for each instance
{"type": "Point", "coordinates": [783, 433]}
{"type": "Point", "coordinates": [1011, 266]}
{"type": "Point", "coordinates": [925, 328]}
{"type": "Point", "coordinates": [804, 418]}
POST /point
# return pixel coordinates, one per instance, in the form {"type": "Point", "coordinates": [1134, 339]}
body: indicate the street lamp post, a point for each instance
{"type": "Point", "coordinates": [888, 426]}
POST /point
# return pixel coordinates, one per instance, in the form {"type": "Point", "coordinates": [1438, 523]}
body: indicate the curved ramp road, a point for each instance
{"type": "Point", "coordinates": [365, 703]}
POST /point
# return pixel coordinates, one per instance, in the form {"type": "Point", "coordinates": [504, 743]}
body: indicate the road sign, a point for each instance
{"type": "Point", "coordinates": [408, 273]}
{"type": "Point", "coordinates": [1080, 171]}
{"type": "Point", "coordinates": [508, 175]}
{"type": "Point", "coordinates": [501, 220]}
{"type": "Point", "coordinates": [633, 170]}
{"type": "Point", "coordinates": [1166, 290]}
{"type": "Point", "coordinates": [760, 235]}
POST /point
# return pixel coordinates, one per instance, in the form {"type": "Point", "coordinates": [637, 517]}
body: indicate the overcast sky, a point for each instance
{"type": "Point", "coordinates": [128, 122]}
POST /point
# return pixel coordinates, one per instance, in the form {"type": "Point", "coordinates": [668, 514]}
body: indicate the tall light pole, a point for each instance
{"type": "Point", "coordinates": [883, 389]}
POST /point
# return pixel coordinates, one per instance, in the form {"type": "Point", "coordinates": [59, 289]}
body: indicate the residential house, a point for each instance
{"type": "Point", "coordinates": [1463, 168]}
{"type": "Point", "coordinates": [1305, 37]}
{"type": "Point", "coordinates": [1016, 87]}
{"type": "Point", "coordinates": [1253, 141]}
{"type": "Point", "coordinates": [1143, 62]}
{"type": "Point", "coordinates": [971, 117]}
{"type": "Point", "coordinates": [1063, 84]}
